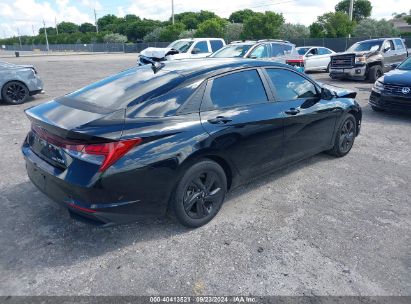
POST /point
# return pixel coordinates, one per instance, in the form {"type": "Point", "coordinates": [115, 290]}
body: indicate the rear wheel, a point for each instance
{"type": "Point", "coordinates": [328, 68]}
{"type": "Point", "coordinates": [374, 73]}
{"type": "Point", "coordinates": [14, 92]}
{"type": "Point", "coordinates": [345, 137]}
{"type": "Point", "coordinates": [200, 194]}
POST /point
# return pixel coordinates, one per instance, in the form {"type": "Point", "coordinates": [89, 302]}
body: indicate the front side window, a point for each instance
{"type": "Point", "coordinates": [290, 86]}
{"type": "Point", "coordinates": [237, 89]}
{"type": "Point", "coordinates": [201, 47]}
{"type": "Point", "coordinates": [260, 51]}
{"type": "Point", "coordinates": [389, 45]}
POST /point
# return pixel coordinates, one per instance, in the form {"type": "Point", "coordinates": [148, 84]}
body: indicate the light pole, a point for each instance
{"type": "Point", "coordinates": [172, 11]}
{"type": "Point", "coordinates": [350, 13]}
{"type": "Point", "coordinates": [45, 33]}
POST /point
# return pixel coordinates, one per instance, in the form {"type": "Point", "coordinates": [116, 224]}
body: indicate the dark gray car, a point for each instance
{"type": "Point", "coordinates": [17, 82]}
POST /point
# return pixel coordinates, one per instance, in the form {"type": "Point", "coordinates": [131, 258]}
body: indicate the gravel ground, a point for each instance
{"type": "Point", "coordinates": [325, 226]}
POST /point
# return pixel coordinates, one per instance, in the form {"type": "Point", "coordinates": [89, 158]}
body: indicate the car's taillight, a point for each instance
{"type": "Point", "coordinates": [111, 152]}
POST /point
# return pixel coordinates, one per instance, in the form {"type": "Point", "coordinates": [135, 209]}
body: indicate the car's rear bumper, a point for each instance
{"type": "Point", "coordinates": [93, 204]}
{"type": "Point", "coordinates": [390, 102]}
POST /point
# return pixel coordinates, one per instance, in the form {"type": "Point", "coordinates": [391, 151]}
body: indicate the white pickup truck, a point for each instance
{"type": "Point", "coordinates": [184, 49]}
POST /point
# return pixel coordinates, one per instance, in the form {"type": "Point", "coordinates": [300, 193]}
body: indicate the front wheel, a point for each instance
{"type": "Point", "coordinates": [374, 73]}
{"type": "Point", "coordinates": [200, 194]}
{"type": "Point", "coordinates": [345, 136]}
{"type": "Point", "coordinates": [14, 92]}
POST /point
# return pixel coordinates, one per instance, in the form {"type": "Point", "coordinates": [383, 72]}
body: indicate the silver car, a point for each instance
{"type": "Point", "coordinates": [18, 82]}
{"type": "Point", "coordinates": [315, 58]}
{"type": "Point", "coordinates": [269, 49]}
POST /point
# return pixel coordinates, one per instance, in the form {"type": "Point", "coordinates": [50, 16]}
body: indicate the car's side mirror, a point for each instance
{"type": "Point", "coordinates": [309, 55]}
{"type": "Point", "coordinates": [326, 94]}
{"type": "Point", "coordinates": [195, 51]}
{"type": "Point", "coordinates": [386, 49]}
{"type": "Point", "coordinates": [253, 57]}
{"type": "Point", "coordinates": [394, 66]}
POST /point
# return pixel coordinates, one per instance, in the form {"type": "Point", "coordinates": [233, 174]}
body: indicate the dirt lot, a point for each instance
{"type": "Point", "coordinates": [325, 226]}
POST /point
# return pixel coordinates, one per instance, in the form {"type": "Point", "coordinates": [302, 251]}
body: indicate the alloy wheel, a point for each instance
{"type": "Point", "coordinates": [16, 92]}
{"type": "Point", "coordinates": [202, 194]}
{"type": "Point", "coordinates": [347, 136]}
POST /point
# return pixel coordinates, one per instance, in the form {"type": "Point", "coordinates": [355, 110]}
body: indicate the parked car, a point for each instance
{"type": "Point", "coordinates": [176, 136]}
{"type": "Point", "coordinates": [184, 49]}
{"type": "Point", "coordinates": [393, 90]}
{"type": "Point", "coordinates": [18, 82]}
{"type": "Point", "coordinates": [274, 50]}
{"type": "Point", "coordinates": [368, 59]}
{"type": "Point", "coordinates": [312, 58]}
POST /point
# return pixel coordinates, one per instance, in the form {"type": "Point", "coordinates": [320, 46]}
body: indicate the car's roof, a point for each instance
{"type": "Point", "coordinates": [196, 67]}
{"type": "Point", "coordinates": [379, 39]}
{"type": "Point", "coordinates": [195, 39]}
{"type": "Point", "coordinates": [311, 46]}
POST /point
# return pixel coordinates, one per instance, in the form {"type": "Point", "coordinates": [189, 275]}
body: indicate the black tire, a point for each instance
{"type": "Point", "coordinates": [199, 194]}
{"type": "Point", "coordinates": [376, 109]}
{"type": "Point", "coordinates": [328, 68]}
{"type": "Point", "coordinates": [374, 73]}
{"type": "Point", "coordinates": [345, 137]}
{"type": "Point", "coordinates": [14, 92]}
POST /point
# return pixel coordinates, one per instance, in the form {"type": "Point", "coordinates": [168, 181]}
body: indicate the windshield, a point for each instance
{"type": "Point", "coordinates": [181, 45]}
{"type": "Point", "coordinates": [365, 46]}
{"type": "Point", "coordinates": [234, 50]}
{"type": "Point", "coordinates": [405, 65]}
{"type": "Point", "coordinates": [302, 51]}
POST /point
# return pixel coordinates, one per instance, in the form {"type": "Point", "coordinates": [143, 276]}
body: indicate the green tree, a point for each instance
{"type": "Point", "coordinates": [87, 28]}
{"type": "Point", "coordinates": [50, 30]}
{"type": "Point", "coordinates": [362, 8]}
{"type": "Point", "coordinates": [294, 31]}
{"type": "Point", "coordinates": [233, 32]}
{"type": "Point", "coordinates": [115, 38]}
{"type": "Point", "coordinates": [375, 28]}
{"type": "Point", "coordinates": [241, 16]}
{"type": "Point", "coordinates": [107, 22]}
{"type": "Point", "coordinates": [408, 19]}
{"type": "Point", "coordinates": [171, 32]}
{"type": "Point", "coordinates": [211, 28]}
{"type": "Point", "coordinates": [187, 34]}
{"type": "Point", "coordinates": [136, 31]}
{"type": "Point", "coordinates": [67, 27]}
{"type": "Point", "coordinates": [154, 35]}
{"type": "Point", "coordinates": [263, 25]}
{"type": "Point", "coordinates": [332, 25]}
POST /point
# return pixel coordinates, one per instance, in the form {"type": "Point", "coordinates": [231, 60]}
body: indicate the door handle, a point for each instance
{"type": "Point", "coordinates": [219, 120]}
{"type": "Point", "coordinates": [292, 111]}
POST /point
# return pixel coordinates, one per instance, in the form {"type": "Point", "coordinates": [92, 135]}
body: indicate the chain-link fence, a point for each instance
{"type": "Point", "coordinates": [336, 44]}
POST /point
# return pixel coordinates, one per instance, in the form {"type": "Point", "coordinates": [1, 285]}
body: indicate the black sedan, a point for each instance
{"type": "Point", "coordinates": [176, 136]}
{"type": "Point", "coordinates": [393, 90]}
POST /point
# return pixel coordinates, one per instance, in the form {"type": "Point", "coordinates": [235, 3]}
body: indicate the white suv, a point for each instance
{"type": "Point", "coordinates": [185, 48]}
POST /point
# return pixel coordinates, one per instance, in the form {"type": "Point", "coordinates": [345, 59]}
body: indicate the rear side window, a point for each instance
{"type": "Point", "coordinates": [237, 89]}
{"type": "Point", "coordinates": [279, 49]}
{"type": "Point", "coordinates": [399, 44]}
{"type": "Point", "coordinates": [290, 86]}
{"type": "Point", "coordinates": [323, 51]}
{"type": "Point", "coordinates": [118, 91]}
{"type": "Point", "coordinates": [202, 47]}
{"type": "Point", "coordinates": [216, 45]}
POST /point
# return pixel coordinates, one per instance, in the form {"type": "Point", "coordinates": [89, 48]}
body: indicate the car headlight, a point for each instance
{"type": "Point", "coordinates": [360, 59]}
{"type": "Point", "coordinates": [378, 86]}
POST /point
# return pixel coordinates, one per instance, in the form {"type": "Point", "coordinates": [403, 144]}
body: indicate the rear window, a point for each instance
{"type": "Point", "coordinates": [116, 92]}
{"type": "Point", "coordinates": [216, 45]}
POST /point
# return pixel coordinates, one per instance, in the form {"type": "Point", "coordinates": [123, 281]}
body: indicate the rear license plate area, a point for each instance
{"type": "Point", "coordinates": [47, 151]}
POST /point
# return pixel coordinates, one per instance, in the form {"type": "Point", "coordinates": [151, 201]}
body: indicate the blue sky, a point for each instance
{"type": "Point", "coordinates": [24, 15]}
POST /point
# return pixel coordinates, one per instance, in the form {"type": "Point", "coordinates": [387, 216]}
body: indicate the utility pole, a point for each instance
{"type": "Point", "coordinates": [18, 33]}
{"type": "Point", "coordinates": [350, 13]}
{"type": "Point", "coordinates": [95, 20]}
{"type": "Point", "coordinates": [172, 11]}
{"type": "Point", "coordinates": [55, 22]}
{"type": "Point", "coordinates": [45, 32]}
